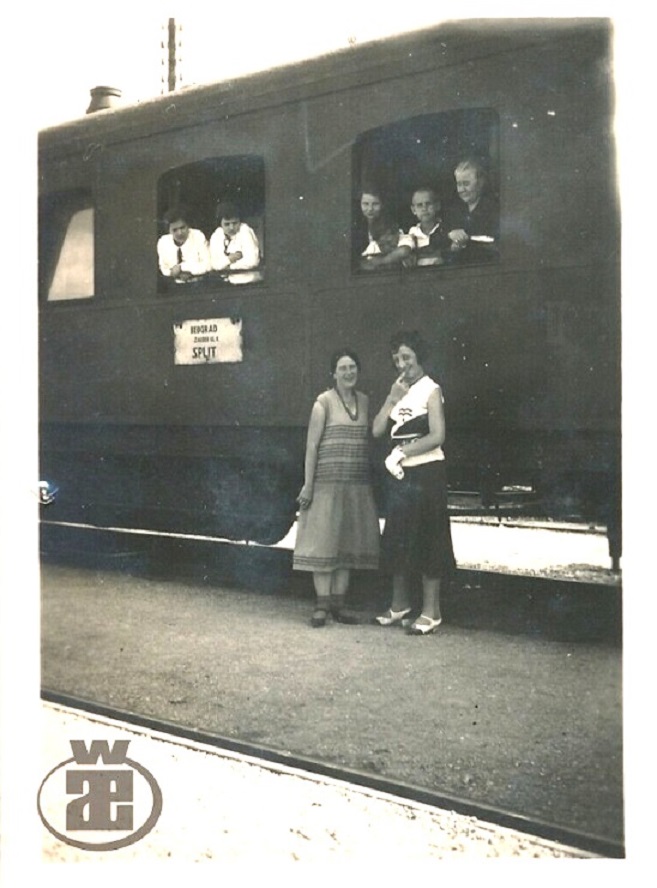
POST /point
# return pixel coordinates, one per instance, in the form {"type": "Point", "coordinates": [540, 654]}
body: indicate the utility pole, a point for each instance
{"type": "Point", "coordinates": [171, 61]}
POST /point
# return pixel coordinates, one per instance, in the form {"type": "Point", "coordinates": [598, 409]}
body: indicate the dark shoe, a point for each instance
{"type": "Point", "coordinates": [318, 618]}
{"type": "Point", "coordinates": [347, 617]}
{"type": "Point", "coordinates": [424, 626]}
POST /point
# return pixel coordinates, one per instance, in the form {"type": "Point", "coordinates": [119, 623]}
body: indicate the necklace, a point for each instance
{"type": "Point", "coordinates": [353, 415]}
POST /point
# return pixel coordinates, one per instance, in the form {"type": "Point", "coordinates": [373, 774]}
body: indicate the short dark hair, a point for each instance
{"type": "Point", "coordinates": [430, 189]}
{"type": "Point", "coordinates": [342, 353]}
{"type": "Point", "coordinates": [175, 213]}
{"type": "Point", "coordinates": [411, 339]}
{"type": "Point", "coordinates": [374, 190]}
{"type": "Point", "coordinates": [227, 210]}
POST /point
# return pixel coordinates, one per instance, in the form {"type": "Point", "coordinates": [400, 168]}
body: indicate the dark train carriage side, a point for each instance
{"type": "Point", "coordinates": [526, 343]}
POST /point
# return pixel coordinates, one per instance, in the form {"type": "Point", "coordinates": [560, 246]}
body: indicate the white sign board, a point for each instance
{"type": "Point", "coordinates": [208, 341]}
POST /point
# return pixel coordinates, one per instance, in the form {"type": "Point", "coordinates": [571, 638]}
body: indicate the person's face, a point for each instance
{"type": "Point", "coordinates": [179, 230]}
{"type": "Point", "coordinates": [425, 207]}
{"type": "Point", "coordinates": [468, 186]}
{"type": "Point", "coordinates": [230, 227]}
{"type": "Point", "coordinates": [371, 206]}
{"type": "Point", "coordinates": [406, 362]}
{"type": "Point", "coordinates": [388, 242]}
{"type": "Point", "coordinates": [346, 371]}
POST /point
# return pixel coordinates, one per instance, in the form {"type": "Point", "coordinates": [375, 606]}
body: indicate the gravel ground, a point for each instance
{"type": "Point", "coordinates": [228, 809]}
{"type": "Point", "coordinates": [526, 724]}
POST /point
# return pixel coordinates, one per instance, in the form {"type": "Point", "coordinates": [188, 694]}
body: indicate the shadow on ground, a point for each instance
{"type": "Point", "coordinates": [544, 608]}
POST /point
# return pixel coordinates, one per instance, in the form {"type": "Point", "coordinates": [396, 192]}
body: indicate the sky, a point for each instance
{"type": "Point", "coordinates": [66, 48]}
{"type": "Point", "coordinates": [79, 46]}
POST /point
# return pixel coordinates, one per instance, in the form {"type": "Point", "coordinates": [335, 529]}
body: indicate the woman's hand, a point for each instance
{"type": "Point", "coordinates": [398, 389]}
{"type": "Point", "coordinates": [459, 239]}
{"type": "Point", "coordinates": [305, 497]}
{"type": "Point", "coordinates": [393, 463]}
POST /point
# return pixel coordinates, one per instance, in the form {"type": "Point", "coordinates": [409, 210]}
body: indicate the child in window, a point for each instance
{"type": "Point", "coordinates": [429, 236]}
{"type": "Point", "coordinates": [387, 244]}
{"type": "Point", "coordinates": [384, 240]}
{"type": "Point", "coordinates": [234, 247]}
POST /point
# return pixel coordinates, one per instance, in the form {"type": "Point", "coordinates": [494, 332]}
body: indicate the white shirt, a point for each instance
{"type": "Point", "coordinates": [373, 248]}
{"type": "Point", "coordinates": [420, 239]}
{"type": "Point", "coordinates": [195, 253]}
{"type": "Point", "coordinates": [410, 412]}
{"type": "Point", "coordinates": [244, 242]}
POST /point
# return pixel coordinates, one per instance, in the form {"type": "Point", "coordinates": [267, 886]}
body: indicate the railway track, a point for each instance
{"type": "Point", "coordinates": [589, 845]}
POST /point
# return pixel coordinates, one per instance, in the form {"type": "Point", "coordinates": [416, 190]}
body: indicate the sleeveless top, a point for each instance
{"type": "Point", "coordinates": [343, 455]}
{"type": "Point", "coordinates": [410, 420]}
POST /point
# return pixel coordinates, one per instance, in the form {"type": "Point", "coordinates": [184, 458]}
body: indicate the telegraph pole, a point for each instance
{"type": "Point", "coordinates": [171, 61]}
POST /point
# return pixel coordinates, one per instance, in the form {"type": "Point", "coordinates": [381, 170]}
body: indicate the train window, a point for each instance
{"type": "Point", "coordinates": [222, 204]}
{"type": "Point", "coordinates": [427, 192]}
{"type": "Point", "coordinates": [66, 245]}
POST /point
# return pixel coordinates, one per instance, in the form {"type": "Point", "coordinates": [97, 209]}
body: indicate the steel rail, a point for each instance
{"type": "Point", "coordinates": [592, 844]}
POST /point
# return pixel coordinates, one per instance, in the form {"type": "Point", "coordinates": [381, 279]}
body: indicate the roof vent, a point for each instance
{"type": "Point", "coordinates": [104, 97]}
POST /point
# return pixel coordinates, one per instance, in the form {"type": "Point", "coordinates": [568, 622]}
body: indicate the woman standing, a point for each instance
{"type": "Point", "coordinates": [417, 535]}
{"type": "Point", "coordinates": [338, 527]}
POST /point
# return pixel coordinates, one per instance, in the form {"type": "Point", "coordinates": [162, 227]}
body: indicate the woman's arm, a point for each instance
{"type": "Point", "coordinates": [249, 247]}
{"type": "Point", "coordinates": [380, 423]}
{"type": "Point", "coordinates": [164, 254]}
{"type": "Point", "coordinates": [436, 436]}
{"type": "Point", "coordinates": [199, 263]}
{"type": "Point", "coordinates": [381, 260]}
{"type": "Point", "coordinates": [315, 432]}
{"type": "Point", "coordinates": [218, 259]}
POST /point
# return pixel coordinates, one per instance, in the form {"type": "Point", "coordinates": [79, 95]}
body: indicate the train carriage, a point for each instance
{"type": "Point", "coordinates": [183, 408]}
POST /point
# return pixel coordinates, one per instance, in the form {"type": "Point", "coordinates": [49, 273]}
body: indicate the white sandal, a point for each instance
{"type": "Point", "coordinates": [426, 628]}
{"type": "Point", "coordinates": [391, 617]}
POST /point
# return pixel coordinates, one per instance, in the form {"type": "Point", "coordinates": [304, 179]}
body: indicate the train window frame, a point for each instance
{"type": "Point", "coordinates": [417, 153]}
{"type": "Point", "coordinates": [198, 188]}
{"type": "Point", "coordinates": [67, 246]}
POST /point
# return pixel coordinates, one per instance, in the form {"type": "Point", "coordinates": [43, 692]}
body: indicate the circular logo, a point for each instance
{"type": "Point", "coordinates": [84, 804]}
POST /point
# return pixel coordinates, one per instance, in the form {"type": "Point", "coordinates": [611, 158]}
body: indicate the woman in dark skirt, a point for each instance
{"type": "Point", "coordinates": [417, 535]}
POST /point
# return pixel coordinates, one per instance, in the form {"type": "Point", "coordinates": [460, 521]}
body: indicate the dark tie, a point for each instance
{"type": "Point", "coordinates": [180, 259]}
{"type": "Point", "coordinates": [437, 238]}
